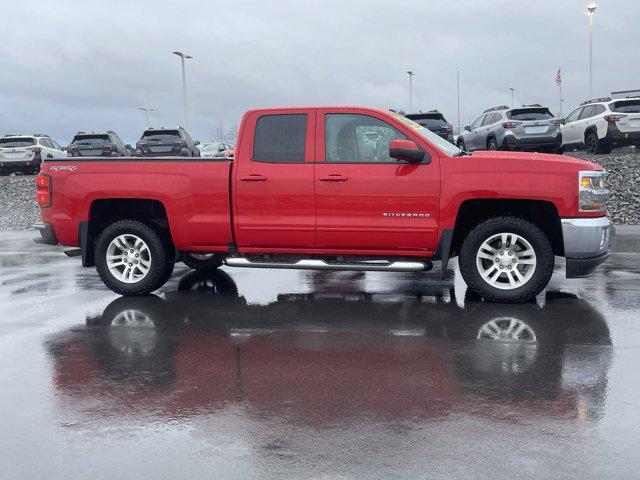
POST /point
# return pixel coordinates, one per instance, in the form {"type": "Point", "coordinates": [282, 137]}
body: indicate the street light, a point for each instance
{"type": "Point", "coordinates": [512, 90]}
{"type": "Point", "coordinates": [184, 56]}
{"type": "Point", "coordinates": [411, 74]}
{"type": "Point", "coordinates": [591, 9]}
{"type": "Point", "coordinates": [146, 114]}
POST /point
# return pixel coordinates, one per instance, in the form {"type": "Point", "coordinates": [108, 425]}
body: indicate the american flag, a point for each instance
{"type": "Point", "coordinates": [558, 77]}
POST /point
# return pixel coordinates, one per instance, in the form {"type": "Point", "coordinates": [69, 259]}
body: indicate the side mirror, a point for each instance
{"type": "Point", "coordinates": [406, 150]}
{"type": "Point", "coordinates": [197, 142]}
{"type": "Point", "coordinates": [467, 128]}
{"type": "Point", "coordinates": [563, 121]}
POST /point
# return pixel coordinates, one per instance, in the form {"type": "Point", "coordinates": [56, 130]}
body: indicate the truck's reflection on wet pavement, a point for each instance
{"type": "Point", "coordinates": [270, 374]}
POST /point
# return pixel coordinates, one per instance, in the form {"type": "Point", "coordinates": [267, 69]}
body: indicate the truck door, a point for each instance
{"type": "Point", "coordinates": [366, 200]}
{"type": "Point", "coordinates": [273, 185]}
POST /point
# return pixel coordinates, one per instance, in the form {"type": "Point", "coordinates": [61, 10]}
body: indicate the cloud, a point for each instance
{"type": "Point", "coordinates": [71, 65]}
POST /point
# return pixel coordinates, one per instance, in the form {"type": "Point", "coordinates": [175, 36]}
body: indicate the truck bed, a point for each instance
{"type": "Point", "coordinates": [194, 192]}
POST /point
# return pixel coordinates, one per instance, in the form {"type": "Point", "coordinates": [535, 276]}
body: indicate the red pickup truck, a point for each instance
{"type": "Point", "coordinates": [343, 188]}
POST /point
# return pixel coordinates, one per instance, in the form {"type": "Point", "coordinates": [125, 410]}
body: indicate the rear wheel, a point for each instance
{"type": "Point", "coordinates": [202, 261]}
{"type": "Point", "coordinates": [492, 144]}
{"type": "Point", "coordinates": [133, 257]}
{"type": "Point", "coordinates": [594, 145]}
{"type": "Point", "coordinates": [461, 145]}
{"type": "Point", "coordinates": [506, 259]}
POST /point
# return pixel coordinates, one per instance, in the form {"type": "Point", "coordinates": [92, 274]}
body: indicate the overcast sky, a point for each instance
{"type": "Point", "coordinates": [86, 65]}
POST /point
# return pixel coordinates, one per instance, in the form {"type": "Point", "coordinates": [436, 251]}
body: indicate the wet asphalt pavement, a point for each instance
{"type": "Point", "coordinates": [296, 374]}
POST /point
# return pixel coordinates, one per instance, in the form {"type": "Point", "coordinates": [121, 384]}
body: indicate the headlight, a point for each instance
{"type": "Point", "coordinates": [592, 191]}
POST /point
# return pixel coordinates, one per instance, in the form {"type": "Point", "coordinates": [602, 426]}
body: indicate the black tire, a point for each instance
{"type": "Point", "coordinates": [492, 144]}
{"type": "Point", "coordinates": [543, 268]}
{"type": "Point", "coordinates": [213, 261]}
{"type": "Point", "coordinates": [595, 146]}
{"type": "Point", "coordinates": [461, 145]}
{"type": "Point", "coordinates": [162, 257]}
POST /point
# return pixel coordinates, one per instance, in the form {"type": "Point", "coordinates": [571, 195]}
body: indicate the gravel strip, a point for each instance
{"type": "Point", "coordinates": [19, 209]}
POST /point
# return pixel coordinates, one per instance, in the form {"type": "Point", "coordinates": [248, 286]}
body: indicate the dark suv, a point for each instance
{"type": "Point", "coordinates": [98, 145]}
{"type": "Point", "coordinates": [433, 120]}
{"type": "Point", "coordinates": [170, 142]}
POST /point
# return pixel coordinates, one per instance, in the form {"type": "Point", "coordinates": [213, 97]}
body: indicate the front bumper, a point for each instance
{"type": "Point", "coordinates": [587, 243]}
{"type": "Point", "coordinates": [511, 142]}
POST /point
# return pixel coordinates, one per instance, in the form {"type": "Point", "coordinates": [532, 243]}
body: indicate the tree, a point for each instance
{"type": "Point", "coordinates": [225, 135]}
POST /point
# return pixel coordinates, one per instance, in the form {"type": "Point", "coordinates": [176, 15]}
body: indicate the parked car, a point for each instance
{"type": "Point", "coordinates": [93, 144]}
{"type": "Point", "coordinates": [171, 142]}
{"type": "Point", "coordinates": [433, 120]}
{"type": "Point", "coordinates": [216, 149]}
{"type": "Point", "coordinates": [24, 153]}
{"type": "Point", "coordinates": [600, 124]}
{"type": "Point", "coordinates": [530, 127]}
{"type": "Point", "coordinates": [394, 205]}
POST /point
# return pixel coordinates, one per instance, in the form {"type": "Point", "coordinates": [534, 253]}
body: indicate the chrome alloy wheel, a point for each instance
{"type": "Point", "coordinates": [128, 258]}
{"type": "Point", "coordinates": [506, 261]}
{"type": "Point", "coordinates": [507, 329]}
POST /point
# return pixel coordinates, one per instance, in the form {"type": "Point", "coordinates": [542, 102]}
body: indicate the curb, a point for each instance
{"type": "Point", "coordinates": [627, 239]}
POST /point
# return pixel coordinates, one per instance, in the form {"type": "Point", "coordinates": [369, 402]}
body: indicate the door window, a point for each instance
{"type": "Point", "coordinates": [477, 122]}
{"type": "Point", "coordinates": [587, 112]}
{"type": "Point", "coordinates": [353, 138]}
{"type": "Point", "coordinates": [573, 116]}
{"type": "Point", "coordinates": [280, 138]}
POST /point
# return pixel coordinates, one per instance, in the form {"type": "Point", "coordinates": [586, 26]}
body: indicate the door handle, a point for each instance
{"type": "Point", "coordinates": [334, 178]}
{"type": "Point", "coordinates": [254, 178]}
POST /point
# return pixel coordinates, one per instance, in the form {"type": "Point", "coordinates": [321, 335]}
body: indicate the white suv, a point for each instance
{"type": "Point", "coordinates": [599, 125]}
{"type": "Point", "coordinates": [25, 152]}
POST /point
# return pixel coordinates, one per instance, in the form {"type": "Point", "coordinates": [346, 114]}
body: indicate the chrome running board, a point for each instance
{"type": "Point", "coordinates": [314, 264]}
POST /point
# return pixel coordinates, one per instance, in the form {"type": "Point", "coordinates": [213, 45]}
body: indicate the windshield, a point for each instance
{"type": "Point", "coordinates": [13, 142]}
{"type": "Point", "coordinates": [447, 147]}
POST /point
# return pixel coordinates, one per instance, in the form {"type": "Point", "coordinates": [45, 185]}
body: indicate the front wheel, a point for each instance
{"type": "Point", "coordinates": [202, 261]}
{"type": "Point", "coordinates": [506, 259]}
{"type": "Point", "coordinates": [492, 144]}
{"type": "Point", "coordinates": [134, 258]}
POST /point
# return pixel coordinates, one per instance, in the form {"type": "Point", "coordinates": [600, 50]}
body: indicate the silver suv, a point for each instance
{"type": "Point", "coordinates": [530, 127]}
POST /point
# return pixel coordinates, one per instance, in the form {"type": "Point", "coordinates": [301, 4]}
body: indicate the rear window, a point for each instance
{"type": "Point", "coordinates": [163, 136]}
{"type": "Point", "coordinates": [91, 141]}
{"type": "Point", "coordinates": [280, 138]}
{"type": "Point", "coordinates": [429, 121]}
{"type": "Point", "coordinates": [530, 114]}
{"type": "Point", "coordinates": [626, 106]}
{"type": "Point", "coordinates": [13, 142]}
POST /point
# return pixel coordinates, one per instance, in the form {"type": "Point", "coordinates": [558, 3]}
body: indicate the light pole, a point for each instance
{"type": "Point", "coordinates": [146, 114]}
{"type": "Point", "coordinates": [458, 75]}
{"type": "Point", "coordinates": [411, 74]}
{"type": "Point", "coordinates": [512, 102]}
{"type": "Point", "coordinates": [591, 9]}
{"type": "Point", "coordinates": [184, 56]}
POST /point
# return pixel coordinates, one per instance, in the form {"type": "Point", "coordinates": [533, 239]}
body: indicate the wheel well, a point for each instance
{"type": "Point", "coordinates": [588, 131]}
{"type": "Point", "coordinates": [543, 214]}
{"type": "Point", "coordinates": [104, 212]}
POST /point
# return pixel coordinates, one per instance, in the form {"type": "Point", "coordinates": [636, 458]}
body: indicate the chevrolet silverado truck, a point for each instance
{"type": "Point", "coordinates": [342, 188]}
